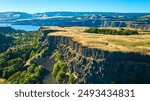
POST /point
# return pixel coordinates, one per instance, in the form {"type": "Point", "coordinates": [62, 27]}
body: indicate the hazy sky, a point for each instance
{"type": "Point", "coordinates": [34, 6]}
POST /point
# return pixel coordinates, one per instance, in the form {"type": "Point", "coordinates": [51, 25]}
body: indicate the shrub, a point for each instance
{"type": "Point", "coordinates": [56, 69]}
{"type": "Point", "coordinates": [32, 53]}
{"type": "Point", "coordinates": [43, 52]}
{"type": "Point", "coordinates": [72, 78]}
{"type": "Point", "coordinates": [31, 68]}
{"type": "Point", "coordinates": [58, 56]}
{"type": "Point", "coordinates": [60, 68]}
{"type": "Point", "coordinates": [39, 69]}
{"type": "Point", "coordinates": [3, 63]}
{"type": "Point", "coordinates": [60, 76]}
{"type": "Point", "coordinates": [8, 71]}
{"type": "Point", "coordinates": [14, 79]}
{"type": "Point", "coordinates": [31, 76]}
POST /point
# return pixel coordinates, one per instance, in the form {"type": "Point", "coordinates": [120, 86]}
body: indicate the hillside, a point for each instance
{"type": "Point", "coordinates": [6, 42]}
{"type": "Point", "coordinates": [89, 19]}
{"type": "Point", "coordinates": [9, 17]}
{"type": "Point", "coordinates": [7, 30]}
{"type": "Point", "coordinates": [13, 60]}
{"type": "Point", "coordinates": [113, 43]}
{"type": "Point", "coordinates": [68, 55]}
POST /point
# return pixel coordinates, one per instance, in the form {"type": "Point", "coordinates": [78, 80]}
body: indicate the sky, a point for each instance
{"type": "Point", "coordinates": [37, 6]}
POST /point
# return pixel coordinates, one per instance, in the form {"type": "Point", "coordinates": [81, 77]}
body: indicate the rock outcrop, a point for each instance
{"type": "Point", "coordinates": [98, 66]}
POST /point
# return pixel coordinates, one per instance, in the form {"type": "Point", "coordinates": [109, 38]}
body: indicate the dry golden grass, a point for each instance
{"type": "Point", "coordinates": [113, 43]}
{"type": "Point", "coordinates": [2, 81]}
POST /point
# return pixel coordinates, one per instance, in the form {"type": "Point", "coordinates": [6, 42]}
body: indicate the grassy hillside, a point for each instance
{"type": "Point", "coordinates": [114, 43]}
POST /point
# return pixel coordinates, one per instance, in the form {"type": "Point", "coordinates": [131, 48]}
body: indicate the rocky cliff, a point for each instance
{"type": "Point", "coordinates": [98, 66]}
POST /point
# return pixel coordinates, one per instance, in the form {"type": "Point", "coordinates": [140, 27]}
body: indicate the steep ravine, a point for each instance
{"type": "Point", "coordinates": [98, 66]}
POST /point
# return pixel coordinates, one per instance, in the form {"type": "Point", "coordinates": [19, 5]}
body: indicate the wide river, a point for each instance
{"type": "Point", "coordinates": [22, 27]}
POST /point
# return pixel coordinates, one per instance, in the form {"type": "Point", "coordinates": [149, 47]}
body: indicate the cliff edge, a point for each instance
{"type": "Point", "coordinates": [102, 58]}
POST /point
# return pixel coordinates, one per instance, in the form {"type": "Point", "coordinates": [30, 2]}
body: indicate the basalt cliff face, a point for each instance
{"type": "Point", "coordinates": [95, 66]}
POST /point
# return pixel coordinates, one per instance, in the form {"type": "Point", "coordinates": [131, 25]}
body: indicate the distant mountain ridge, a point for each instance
{"type": "Point", "coordinates": [9, 17]}
{"type": "Point", "coordinates": [98, 19]}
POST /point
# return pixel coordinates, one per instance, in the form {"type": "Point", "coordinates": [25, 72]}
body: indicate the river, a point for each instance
{"type": "Point", "coordinates": [22, 27]}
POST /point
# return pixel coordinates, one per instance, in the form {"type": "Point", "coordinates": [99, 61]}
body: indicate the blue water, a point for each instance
{"type": "Point", "coordinates": [22, 27]}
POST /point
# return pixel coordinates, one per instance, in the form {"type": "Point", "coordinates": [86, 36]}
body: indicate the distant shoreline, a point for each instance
{"type": "Point", "coordinates": [21, 27]}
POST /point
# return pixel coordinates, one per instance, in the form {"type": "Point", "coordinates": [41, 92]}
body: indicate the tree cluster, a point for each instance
{"type": "Point", "coordinates": [120, 31]}
{"type": "Point", "coordinates": [12, 62]}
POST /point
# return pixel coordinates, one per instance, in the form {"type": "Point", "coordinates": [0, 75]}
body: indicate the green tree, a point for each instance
{"type": "Point", "coordinates": [71, 79]}
{"type": "Point", "coordinates": [60, 76]}
{"type": "Point", "coordinates": [56, 69]}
